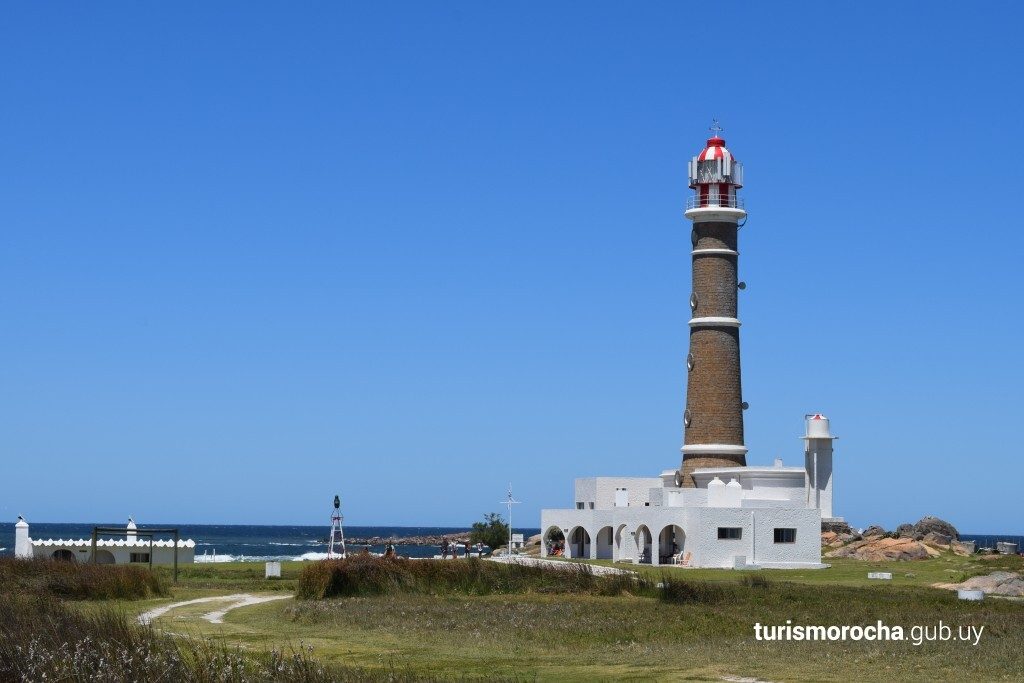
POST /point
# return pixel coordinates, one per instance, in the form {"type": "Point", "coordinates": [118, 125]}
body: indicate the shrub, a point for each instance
{"type": "Point", "coordinates": [677, 591]}
{"type": "Point", "coordinates": [755, 581]}
{"type": "Point", "coordinates": [368, 575]}
{"type": "Point", "coordinates": [492, 532]}
{"type": "Point", "coordinates": [41, 639]}
{"type": "Point", "coordinates": [78, 581]}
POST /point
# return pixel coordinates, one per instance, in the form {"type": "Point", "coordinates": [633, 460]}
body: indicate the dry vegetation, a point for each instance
{"type": "Point", "coordinates": [362, 575]}
{"type": "Point", "coordinates": [77, 581]}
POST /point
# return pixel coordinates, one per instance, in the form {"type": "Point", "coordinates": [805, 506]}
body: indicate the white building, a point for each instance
{"type": "Point", "coordinates": [714, 511]}
{"type": "Point", "coordinates": [132, 549]}
{"type": "Point", "coordinates": [735, 517]}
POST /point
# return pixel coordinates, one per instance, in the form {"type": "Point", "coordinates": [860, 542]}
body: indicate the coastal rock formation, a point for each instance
{"type": "Point", "coordinates": [907, 531]}
{"type": "Point", "coordinates": [831, 539]}
{"type": "Point", "coordinates": [997, 583]}
{"type": "Point", "coordinates": [839, 528]}
{"type": "Point", "coordinates": [429, 539]}
{"type": "Point", "coordinates": [961, 548]}
{"type": "Point", "coordinates": [880, 549]}
{"type": "Point", "coordinates": [875, 531]}
{"type": "Point", "coordinates": [938, 540]}
{"type": "Point", "coordinates": [929, 524]}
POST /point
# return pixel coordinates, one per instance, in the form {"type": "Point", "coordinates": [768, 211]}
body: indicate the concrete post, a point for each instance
{"type": "Point", "coordinates": [22, 543]}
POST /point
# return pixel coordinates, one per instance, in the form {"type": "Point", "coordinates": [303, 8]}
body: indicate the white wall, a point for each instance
{"type": "Point", "coordinates": [601, 490]}
{"type": "Point", "coordinates": [122, 554]}
{"type": "Point", "coordinates": [700, 526]}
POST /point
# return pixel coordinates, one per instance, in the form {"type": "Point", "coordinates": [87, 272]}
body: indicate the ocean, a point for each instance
{"type": "Point", "coordinates": [259, 543]}
{"type": "Point", "coordinates": [253, 543]}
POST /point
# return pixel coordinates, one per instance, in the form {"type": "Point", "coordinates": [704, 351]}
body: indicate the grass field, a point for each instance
{"type": "Point", "coordinates": [591, 637]}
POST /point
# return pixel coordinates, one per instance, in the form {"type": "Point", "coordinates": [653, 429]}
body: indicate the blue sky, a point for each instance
{"type": "Point", "coordinates": [255, 254]}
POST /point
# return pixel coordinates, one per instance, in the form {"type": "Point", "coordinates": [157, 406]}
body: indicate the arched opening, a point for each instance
{"type": "Point", "coordinates": [671, 544]}
{"type": "Point", "coordinates": [623, 545]}
{"type": "Point", "coordinates": [553, 543]}
{"type": "Point", "coordinates": [579, 543]}
{"type": "Point", "coordinates": [104, 556]}
{"type": "Point", "coordinates": [605, 544]}
{"type": "Point", "coordinates": [63, 555]}
{"type": "Point", "coordinates": [643, 545]}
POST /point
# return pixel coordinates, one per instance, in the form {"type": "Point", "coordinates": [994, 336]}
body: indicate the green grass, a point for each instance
{"type": "Point", "coordinates": [698, 628]}
{"type": "Point", "coordinates": [590, 637]}
{"type": "Point", "coordinates": [233, 576]}
{"type": "Point", "coordinates": [947, 568]}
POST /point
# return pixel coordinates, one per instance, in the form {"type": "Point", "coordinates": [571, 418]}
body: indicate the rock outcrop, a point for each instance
{"type": "Point", "coordinates": [938, 540]}
{"type": "Point", "coordinates": [875, 530]}
{"type": "Point", "coordinates": [839, 528]}
{"type": "Point", "coordinates": [928, 525]}
{"type": "Point", "coordinates": [907, 531]}
{"type": "Point", "coordinates": [882, 549]}
{"type": "Point", "coordinates": [996, 583]}
{"type": "Point", "coordinates": [965, 549]}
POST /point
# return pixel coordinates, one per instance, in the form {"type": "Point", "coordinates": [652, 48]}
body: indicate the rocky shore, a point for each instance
{"type": "Point", "coordinates": [430, 539]}
{"type": "Point", "coordinates": [928, 537]}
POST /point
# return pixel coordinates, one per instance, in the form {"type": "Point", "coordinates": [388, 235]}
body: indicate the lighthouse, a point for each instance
{"type": "Point", "coordinates": [713, 418]}
{"type": "Point", "coordinates": [714, 510]}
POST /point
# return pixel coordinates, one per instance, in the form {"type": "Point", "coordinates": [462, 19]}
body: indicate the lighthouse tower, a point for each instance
{"type": "Point", "coordinates": [713, 420]}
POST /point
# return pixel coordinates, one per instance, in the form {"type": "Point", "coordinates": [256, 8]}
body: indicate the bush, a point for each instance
{"type": "Point", "coordinates": [492, 532]}
{"type": "Point", "coordinates": [755, 581]}
{"type": "Point", "coordinates": [78, 581]}
{"type": "Point", "coordinates": [680, 592]}
{"type": "Point", "coordinates": [41, 639]}
{"type": "Point", "coordinates": [368, 575]}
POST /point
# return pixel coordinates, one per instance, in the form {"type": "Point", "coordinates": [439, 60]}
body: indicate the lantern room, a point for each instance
{"type": "Point", "coordinates": [715, 175]}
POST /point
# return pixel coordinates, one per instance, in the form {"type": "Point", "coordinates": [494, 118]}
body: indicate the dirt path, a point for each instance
{"type": "Point", "coordinates": [216, 617]}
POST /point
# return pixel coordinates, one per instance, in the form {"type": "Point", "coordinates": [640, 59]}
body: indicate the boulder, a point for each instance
{"type": "Point", "coordinates": [875, 530]}
{"type": "Point", "coordinates": [964, 548]}
{"type": "Point", "coordinates": [881, 549]}
{"type": "Point", "coordinates": [906, 531]}
{"type": "Point", "coordinates": [929, 524]}
{"type": "Point", "coordinates": [996, 583]}
{"type": "Point", "coordinates": [938, 540]}
{"type": "Point", "coordinates": [839, 528]}
{"type": "Point", "coordinates": [831, 539]}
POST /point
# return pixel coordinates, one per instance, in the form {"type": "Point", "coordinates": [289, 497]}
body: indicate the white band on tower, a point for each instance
{"type": "Point", "coordinates": [715, 448]}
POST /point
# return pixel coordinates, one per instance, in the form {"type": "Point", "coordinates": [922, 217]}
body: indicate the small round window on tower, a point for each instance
{"type": "Point", "coordinates": [689, 361]}
{"type": "Point", "coordinates": [693, 301]}
{"type": "Point", "coordinates": [686, 418]}
{"type": "Point", "coordinates": [693, 237]}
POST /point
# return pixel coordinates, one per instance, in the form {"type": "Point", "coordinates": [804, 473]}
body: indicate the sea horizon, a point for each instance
{"type": "Point", "coordinates": [288, 542]}
{"type": "Point", "coordinates": [256, 542]}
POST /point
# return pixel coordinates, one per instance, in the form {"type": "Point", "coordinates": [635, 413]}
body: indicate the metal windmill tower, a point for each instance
{"type": "Point", "coordinates": [337, 533]}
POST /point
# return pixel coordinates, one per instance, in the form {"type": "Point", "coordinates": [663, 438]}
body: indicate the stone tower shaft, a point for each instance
{"type": "Point", "coordinates": [713, 420]}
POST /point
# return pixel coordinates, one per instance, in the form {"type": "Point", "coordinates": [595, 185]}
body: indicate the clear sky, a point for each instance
{"type": "Point", "coordinates": [255, 254]}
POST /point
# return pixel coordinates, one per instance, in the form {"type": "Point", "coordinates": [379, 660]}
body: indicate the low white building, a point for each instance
{"type": "Point", "coordinates": [132, 549]}
{"type": "Point", "coordinates": [736, 517]}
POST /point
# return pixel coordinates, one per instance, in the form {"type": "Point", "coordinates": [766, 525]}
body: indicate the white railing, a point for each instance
{"type": "Point", "coordinates": [698, 202]}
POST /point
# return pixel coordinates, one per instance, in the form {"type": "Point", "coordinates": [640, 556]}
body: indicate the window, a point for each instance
{"type": "Point", "coordinates": [729, 533]}
{"type": "Point", "coordinates": [591, 504]}
{"type": "Point", "coordinates": [579, 505]}
{"type": "Point", "coordinates": [140, 557]}
{"type": "Point", "coordinates": [785, 535]}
